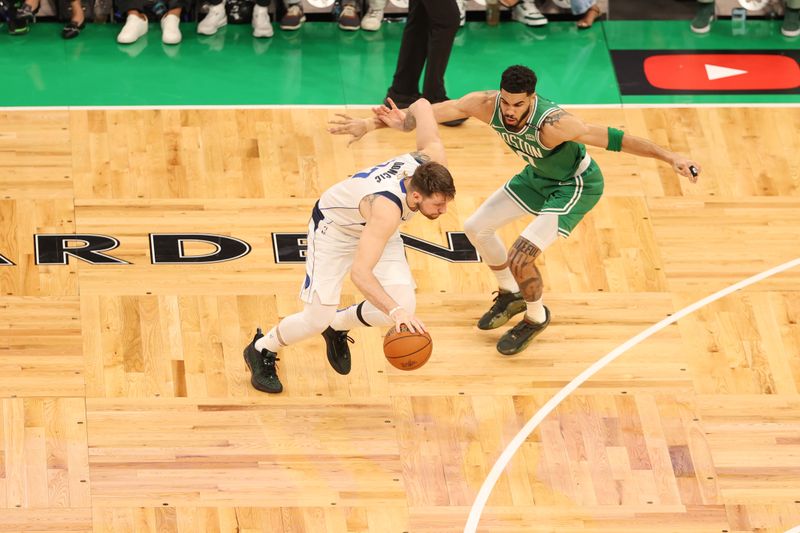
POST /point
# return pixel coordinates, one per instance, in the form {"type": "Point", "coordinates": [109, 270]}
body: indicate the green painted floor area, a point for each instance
{"type": "Point", "coordinates": [320, 64]}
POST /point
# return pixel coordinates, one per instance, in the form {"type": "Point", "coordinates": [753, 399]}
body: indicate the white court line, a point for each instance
{"type": "Point", "coordinates": [180, 107]}
{"type": "Point", "coordinates": [795, 529]}
{"type": "Point", "coordinates": [516, 442]}
{"type": "Point", "coordinates": [361, 106]}
{"type": "Point", "coordinates": [681, 105]}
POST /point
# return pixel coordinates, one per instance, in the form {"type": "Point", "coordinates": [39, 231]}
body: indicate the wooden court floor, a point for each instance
{"type": "Point", "coordinates": [125, 404]}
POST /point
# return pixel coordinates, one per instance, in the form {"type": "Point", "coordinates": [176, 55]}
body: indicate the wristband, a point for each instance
{"type": "Point", "coordinates": [614, 140]}
{"type": "Point", "coordinates": [393, 310]}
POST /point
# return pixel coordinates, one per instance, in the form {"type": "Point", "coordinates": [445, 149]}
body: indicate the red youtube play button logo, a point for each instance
{"type": "Point", "coordinates": [722, 72]}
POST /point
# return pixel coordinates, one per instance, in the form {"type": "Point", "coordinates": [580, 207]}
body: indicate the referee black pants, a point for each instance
{"type": "Point", "coordinates": [427, 41]}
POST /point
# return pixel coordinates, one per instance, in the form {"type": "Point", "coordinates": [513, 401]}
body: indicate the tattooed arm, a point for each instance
{"type": "Point", "coordinates": [479, 104]}
{"type": "Point", "coordinates": [559, 127]}
{"type": "Point", "coordinates": [427, 130]}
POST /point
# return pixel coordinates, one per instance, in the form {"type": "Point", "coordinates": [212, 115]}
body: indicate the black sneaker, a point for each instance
{"type": "Point", "coordinates": [262, 367]}
{"type": "Point", "coordinates": [791, 23]}
{"type": "Point", "coordinates": [336, 345]}
{"type": "Point", "coordinates": [18, 27]}
{"type": "Point", "coordinates": [455, 122]}
{"type": "Point", "coordinates": [506, 304]}
{"type": "Point", "coordinates": [703, 19]}
{"type": "Point", "coordinates": [520, 336]}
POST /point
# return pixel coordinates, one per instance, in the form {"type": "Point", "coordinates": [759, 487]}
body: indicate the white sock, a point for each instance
{"type": "Point", "coordinates": [505, 280]}
{"type": "Point", "coordinates": [269, 341]}
{"type": "Point", "coordinates": [535, 312]}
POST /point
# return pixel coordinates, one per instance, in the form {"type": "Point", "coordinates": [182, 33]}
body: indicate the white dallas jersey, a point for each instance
{"type": "Point", "coordinates": [339, 204]}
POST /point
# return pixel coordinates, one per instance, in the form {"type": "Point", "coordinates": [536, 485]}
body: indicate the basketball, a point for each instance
{"type": "Point", "coordinates": [406, 350]}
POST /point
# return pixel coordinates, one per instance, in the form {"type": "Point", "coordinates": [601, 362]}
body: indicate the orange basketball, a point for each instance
{"type": "Point", "coordinates": [406, 350]}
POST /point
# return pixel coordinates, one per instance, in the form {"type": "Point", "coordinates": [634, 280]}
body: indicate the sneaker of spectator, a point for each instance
{"type": "Point", "coordinates": [134, 28]}
{"type": "Point", "coordinates": [349, 19]}
{"type": "Point", "coordinates": [77, 21]}
{"type": "Point", "coordinates": [17, 27]}
{"type": "Point", "coordinates": [462, 12]}
{"type": "Point", "coordinates": [791, 22]}
{"type": "Point", "coordinates": [9, 12]}
{"type": "Point", "coordinates": [703, 18]}
{"type": "Point", "coordinates": [170, 28]}
{"type": "Point", "coordinates": [215, 19]}
{"type": "Point", "coordinates": [294, 18]}
{"type": "Point", "coordinates": [262, 26]}
{"type": "Point", "coordinates": [372, 20]}
{"type": "Point", "coordinates": [27, 12]}
{"type": "Point", "coordinates": [526, 12]}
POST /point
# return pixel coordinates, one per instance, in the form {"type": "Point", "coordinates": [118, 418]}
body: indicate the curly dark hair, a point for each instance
{"type": "Point", "coordinates": [431, 178]}
{"type": "Point", "coordinates": [518, 79]}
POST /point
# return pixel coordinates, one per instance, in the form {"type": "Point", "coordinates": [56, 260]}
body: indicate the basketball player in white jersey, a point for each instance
{"type": "Point", "coordinates": [560, 184]}
{"type": "Point", "coordinates": [354, 228]}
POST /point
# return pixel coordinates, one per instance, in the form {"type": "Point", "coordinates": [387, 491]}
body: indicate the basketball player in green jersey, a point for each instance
{"type": "Point", "coordinates": [559, 184]}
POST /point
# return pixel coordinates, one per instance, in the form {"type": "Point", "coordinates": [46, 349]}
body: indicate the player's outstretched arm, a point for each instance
{"type": "Point", "coordinates": [477, 104]}
{"type": "Point", "coordinates": [356, 128]}
{"type": "Point", "coordinates": [383, 219]}
{"type": "Point", "coordinates": [428, 140]}
{"type": "Point", "coordinates": [560, 127]}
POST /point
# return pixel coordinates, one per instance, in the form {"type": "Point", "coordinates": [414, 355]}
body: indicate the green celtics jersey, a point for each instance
{"type": "Point", "coordinates": [559, 163]}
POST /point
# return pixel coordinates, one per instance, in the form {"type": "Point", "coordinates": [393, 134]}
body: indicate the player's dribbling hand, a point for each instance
{"type": "Point", "coordinates": [347, 125]}
{"type": "Point", "coordinates": [402, 317]}
{"type": "Point", "coordinates": [392, 116]}
{"type": "Point", "coordinates": [686, 167]}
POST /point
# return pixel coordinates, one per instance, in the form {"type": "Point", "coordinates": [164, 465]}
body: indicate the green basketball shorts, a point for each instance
{"type": "Point", "coordinates": [570, 199]}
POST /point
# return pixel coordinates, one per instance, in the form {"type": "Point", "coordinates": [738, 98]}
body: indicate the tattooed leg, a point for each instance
{"type": "Point", "coordinates": [522, 258]}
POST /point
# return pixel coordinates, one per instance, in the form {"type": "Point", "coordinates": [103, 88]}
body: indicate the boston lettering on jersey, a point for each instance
{"type": "Point", "coordinates": [169, 248]}
{"type": "Point", "coordinates": [558, 163]}
{"type": "Point", "coordinates": [518, 143]}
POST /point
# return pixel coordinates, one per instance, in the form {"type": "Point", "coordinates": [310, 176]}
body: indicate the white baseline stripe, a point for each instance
{"type": "Point", "coordinates": [179, 107]}
{"type": "Point", "coordinates": [795, 529]}
{"type": "Point", "coordinates": [675, 104]}
{"type": "Point", "coordinates": [678, 105]}
{"type": "Point", "coordinates": [168, 107]}
{"type": "Point", "coordinates": [362, 106]}
{"type": "Point", "coordinates": [516, 442]}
